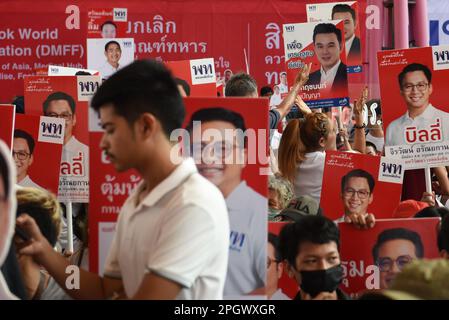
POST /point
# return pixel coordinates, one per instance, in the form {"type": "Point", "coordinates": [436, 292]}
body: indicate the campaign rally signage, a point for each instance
{"type": "Point", "coordinates": [438, 21]}
{"type": "Point", "coordinates": [357, 184]}
{"type": "Point", "coordinates": [223, 30]}
{"type": "Point", "coordinates": [66, 98]}
{"type": "Point", "coordinates": [328, 81]}
{"type": "Point", "coordinates": [66, 71]}
{"type": "Point", "coordinates": [415, 111]}
{"type": "Point", "coordinates": [199, 75]}
{"type": "Point", "coordinates": [349, 13]}
{"type": "Point", "coordinates": [107, 22]}
{"type": "Point", "coordinates": [35, 138]}
{"type": "Point", "coordinates": [109, 55]}
{"type": "Point", "coordinates": [7, 115]}
{"type": "Point", "coordinates": [371, 258]}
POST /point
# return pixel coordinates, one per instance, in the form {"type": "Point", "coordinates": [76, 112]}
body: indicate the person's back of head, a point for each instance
{"type": "Point", "coordinates": [291, 149]}
{"type": "Point", "coordinates": [144, 86]}
{"type": "Point", "coordinates": [429, 212]}
{"type": "Point", "coordinates": [266, 91]}
{"type": "Point", "coordinates": [241, 85]}
{"type": "Point", "coordinates": [44, 208]}
{"type": "Point", "coordinates": [19, 102]}
{"type": "Point", "coordinates": [185, 86]}
{"type": "Point", "coordinates": [314, 130]}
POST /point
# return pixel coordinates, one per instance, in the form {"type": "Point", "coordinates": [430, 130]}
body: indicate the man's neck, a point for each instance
{"type": "Point", "coordinates": [227, 189]}
{"type": "Point", "coordinates": [114, 65]}
{"type": "Point", "coordinates": [67, 138]}
{"type": "Point", "coordinates": [326, 70]}
{"type": "Point", "coordinates": [415, 112]}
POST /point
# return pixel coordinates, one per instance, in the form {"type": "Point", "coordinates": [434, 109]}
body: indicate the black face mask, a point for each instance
{"type": "Point", "coordinates": [314, 282]}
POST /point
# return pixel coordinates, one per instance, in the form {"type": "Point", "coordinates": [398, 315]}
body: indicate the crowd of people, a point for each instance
{"type": "Point", "coordinates": [195, 231]}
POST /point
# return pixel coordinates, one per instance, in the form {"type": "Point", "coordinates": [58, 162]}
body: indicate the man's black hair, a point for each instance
{"type": "Point", "coordinates": [314, 229]}
{"type": "Point", "coordinates": [266, 91]}
{"type": "Point", "coordinates": [19, 102]}
{"type": "Point", "coordinates": [108, 22]}
{"type": "Point", "coordinates": [144, 86]}
{"type": "Point", "coordinates": [274, 240]}
{"type": "Point", "coordinates": [343, 8]}
{"type": "Point", "coordinates": [28, 138]}
{"type": "Point", "coordinates": [429, 212]}
{"type": "Point", "coordinates": [358, 173]}
{"type": "Point", "coordinates": [4, 174]}
{"type": "Point", "coordinates": [82, 73]}
{"type": "Point", "coordinates": [218, 114]}
{"type": "Point", "coordinates": [184, 85]}
{"type": "Point", "coordinates": [398, 234]}
{"type": "Point", "coordinates": [327, 28]}
{"type": "Point", "coordinates": [412, 68]}
{"type": "Point", "coordinates": [240, 85]}
{"type": "Point", "coordinates": [111, 42]}
{"type": "Point", "coordinates": [372, 145]}
{"type": "Point", "coordinates": [443, 234]}
{"type": "Point", "coordinates": [59, 95]}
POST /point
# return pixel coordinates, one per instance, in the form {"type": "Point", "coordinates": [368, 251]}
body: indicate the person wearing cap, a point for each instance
{"type": "Point", "coordinates": [420, 280]}
{"type": "Point", "coordinates": [309, 248]}
{"type": "Point", "coordinates": [280, 192]}
{"type": "Point", "coordinates": [357, 188]}
{"type": "Point", "coordinates": [393, 250]}
{"type": "Point", "coordinates": [299, 207]}
{"type": "Point", "coordinates": [408, 209]}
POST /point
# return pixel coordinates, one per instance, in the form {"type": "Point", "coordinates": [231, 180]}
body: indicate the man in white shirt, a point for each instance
{"type": "Point", "coordinates": [283, 87]}
{"type": "Point", "coordinates": [113, 53]}
{"type": "Point", "coordinates": [75, 154]}
{"type": "Point", "coordinates": [221, 158]}
{"type": "Point", "coordinates": [22, 150]}
{"type": "Point", "coordinates": [352, 43]}
{"type": "Point", "coordinates": [172, 233]}
{"type": "Point", "coordinates": [422, 123]}
{"type": "Point", "coordinates": [332, 75]}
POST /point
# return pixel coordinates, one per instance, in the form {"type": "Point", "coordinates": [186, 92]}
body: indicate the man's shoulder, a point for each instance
{"type": "Point", "coordinates": [75, 144]}
{"type": "Point", "coordinates": [314, 77]}
{"type": "Point", "coordinates": [440, 112]}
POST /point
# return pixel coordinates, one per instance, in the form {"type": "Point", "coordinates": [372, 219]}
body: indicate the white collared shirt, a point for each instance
{"type": "Point", "coordinates": [106, 70]}
{"type": "Point", "coordinates": [329, 76]}
{"type": "Point", "coordinates": [283, 88]}
{"type": "Point", "coordinates": [179, 231]}
{"type": "Point", "coordinates": [348, 44]}
{"type": "Point", "coordinates": [28, 183]}
{"type": "Point", "coordinates": [396, 130]}
{"type": "Point", "coordinates": [248, 240]}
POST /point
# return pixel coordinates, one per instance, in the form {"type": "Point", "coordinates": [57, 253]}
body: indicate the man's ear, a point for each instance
{"type": "Point", "coordinates": [371, 198]}
{"type": "Point", "coordinates": [322, 142]}
{"type": "Point", "coordinates": [146, 125]}
{"type": "Point", "coordinates": [73, 120]}
{"type": "Point", "coordinates": [31, 159]}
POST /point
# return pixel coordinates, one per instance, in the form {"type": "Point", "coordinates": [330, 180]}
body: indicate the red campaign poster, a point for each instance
{"type": "Point", "coordinates": [35, 138]}
{"type": "Point", "coordinates": [357, 183]}
{"type": "Point", "coordinates": [287, 285]}
{"type": "Point", "coordinates": [38, 33]}
{"type": "Point", "coordinates": [378, 254]}
{"type": "Point", "coordinates": [66, 97]}
{"type": "Point", "coordinates": [109, 191]}
{"type": "Point", "coordinates": [7, 116]}
{"type": "Point", "coordinates": [107, 22]}
{"type": "Point", "coordinates": [199, 75]}
{"type": "Point", "coordinates": [415, 112]}
{"type": "Point", "coordinates": [349, 13]}
{"type": "Point", "coordinates": [255, 115]}
{"type": "Point", "coordinates": [328, 80]}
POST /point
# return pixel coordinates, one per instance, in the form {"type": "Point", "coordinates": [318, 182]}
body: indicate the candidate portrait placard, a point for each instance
{"type": "Point", "coordinates": [107, 23]}
{"type": "Point", "coordinates": [109, 190]}
{"type": "Point", "coordinates": [349, 13]}
{"type": "Point", "coordinates": [358, 184]}
{"type": "Point", "coordinates": [372, 258]}
{"type": "Point", "coordinates": [323, 45]}
{"type": "Point", "coordinates": [415, 111]}
{"type": "Point", "coordinates": [7, 116]}
{"type": "Point", "coordinates": [228, 141]}
{"type": "Point", "coordinates": [37, 149]}
{"type": "Point", "coordinates": [66, 71]}
{"type": "Point", "coordinates": [109, 55]}
{"type": "Point", "coordinates": [66, 97]}
{"type": "Point", "coordinates": [196, 77]}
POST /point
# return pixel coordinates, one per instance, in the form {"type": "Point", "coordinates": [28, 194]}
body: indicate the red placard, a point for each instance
{"type": "Point", "coordinates": [38, 169]}
{"type": "Point", "coordinates": [386, 174]}
{"type": "Point", "coordinates": [361, 271]}
{"type": "Point", "coordinates": [107, 22]}
{"type": "Point", "coordinates": [199, 74]}
{"type": "Point", "coordinates": [7, 114]}
{"type": "Point", "coordinates": [255, 115]}
{"type": "Point", "coordinates": [420, 138]}
{"type": "Point", "coordinates": [59, 94]}
{"type": "Point", "coordinates": [109, 191]}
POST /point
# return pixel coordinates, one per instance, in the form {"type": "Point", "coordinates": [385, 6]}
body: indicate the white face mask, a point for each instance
{"type": "Point", "coordinates": [6, 232]}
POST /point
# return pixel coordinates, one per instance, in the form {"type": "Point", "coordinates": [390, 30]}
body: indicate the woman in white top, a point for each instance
{"type": "Point", "coordinates": [301, 152]}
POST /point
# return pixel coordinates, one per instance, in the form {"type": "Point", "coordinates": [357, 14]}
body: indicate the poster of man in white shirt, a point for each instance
{"type": "Point", "coordinates": [416, 113]}
{"type": "Point", "coordinates": [109, 55]}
